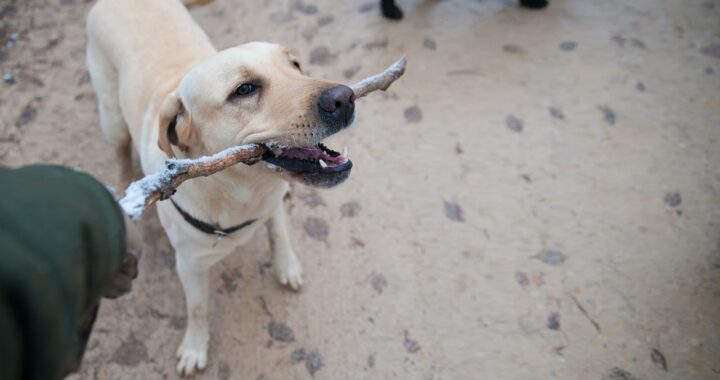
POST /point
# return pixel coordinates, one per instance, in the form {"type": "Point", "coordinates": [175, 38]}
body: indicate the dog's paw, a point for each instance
{"type": "Point", "coordinates": [288, 270]}
{"type": "Point", "coordinates": [191, 360]}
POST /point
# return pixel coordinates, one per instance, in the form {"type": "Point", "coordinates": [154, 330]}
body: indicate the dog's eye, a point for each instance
{"type": "Point", "coordinates": [245, 89]}
{"type": "Point", "coordinates": [297, 65]}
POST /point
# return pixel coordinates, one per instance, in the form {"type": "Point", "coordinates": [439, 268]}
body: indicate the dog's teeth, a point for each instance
{"type": "Point", "coordinates": [345, 152]}
{"type": "Point", "coordinates": [276, 150]}
{"type": "Point", "coordinates": [322, 163]}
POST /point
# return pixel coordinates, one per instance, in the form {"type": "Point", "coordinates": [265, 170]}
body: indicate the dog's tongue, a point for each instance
{"type": "Point", "coordinates": [315, 154]}
{"type": "Point", "coordinates": [311, 153]}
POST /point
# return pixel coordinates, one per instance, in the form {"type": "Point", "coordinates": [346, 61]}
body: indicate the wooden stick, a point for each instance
{"type": "Point", "coordinates": [163, 184]}
{"type": "Point", "coordinates": [380, 81]}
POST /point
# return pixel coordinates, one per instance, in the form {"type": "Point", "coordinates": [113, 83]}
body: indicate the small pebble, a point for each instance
{"type": "Point", "coordinates": [619, 40]}
{"type": "Point", "coordinates": [712, 50]}
{"type": "Point", "coordinates": [350, 209]}
{"type": "Point", "coordinates": [411, 345]}
{"type": "Point", "coordinates": [658, 359]}
{"type": "Point", "coordinates": [8, 78]}
{"type": "Point", "coordinates": [314, 362]}
{"type": "Point", "coordinates": [316, 228]}
{"type": "Point", "coordinates": [553, 322]}
{"type": "Point", "coordinates": [512, 49]}
{"type": "Point", "coordinates": [413, 114]}
{"type": "Point", "coordinates": [673, 199]}
{"type": "Point", "coordinates": [429, 43]}
{"type": "Point", "coordinates": [551, 257]}
{"type": "Point", "coordinates": [608, 115]}
{"type": "Point", "coordinates": [637, 43]}
{"type": "Point", "coordinates": [568, 45]}
{"type": "Point", "coordinates": [378, 282]}
{"type": "Point", "coordinates": [280, 332]}
{"type": "Point", "coordinates": [297, 356]}
{"type": "Point", "coordinates": [320, 56]}
{"type": "Point", "coordinates": [514, 124]}
{"type": "Point", "coordinates": [28, 114]}
{"type": "Point", "coordinates": [371, 361]}
{"type": "Point", "coordinates": [453, 211]}
{"type": "Point", "coordinates": [522, 279]}
{"type": "Point", "coordinates": [556, 113]}
{"type": "Point", "coordinates": [367, 7]}
{"type": "Point", "coordinates": [325, 20]}
{"type": "Point", "coordinates": [617, 373]}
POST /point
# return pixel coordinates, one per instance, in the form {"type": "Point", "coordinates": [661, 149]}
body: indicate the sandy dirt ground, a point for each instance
{"type": "Point", "coordinates": [538, 198]}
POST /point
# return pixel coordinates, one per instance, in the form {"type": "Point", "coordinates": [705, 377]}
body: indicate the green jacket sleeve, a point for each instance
{"type": "Point", "coordinates": [62, 240]}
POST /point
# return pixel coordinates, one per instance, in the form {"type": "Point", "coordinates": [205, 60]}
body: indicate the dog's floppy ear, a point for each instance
{"type": "Point", "coordinates": [175, 125]}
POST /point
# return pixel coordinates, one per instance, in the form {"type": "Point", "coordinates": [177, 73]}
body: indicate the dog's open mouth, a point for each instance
{"type": "Point", "coordinates": [316, 165]}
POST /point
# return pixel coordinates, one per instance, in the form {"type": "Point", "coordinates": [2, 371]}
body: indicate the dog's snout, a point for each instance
{"type": "Point", "coordinates": [338, 102]}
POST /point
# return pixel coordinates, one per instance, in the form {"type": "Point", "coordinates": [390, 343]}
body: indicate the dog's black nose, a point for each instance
{"type": "Point", "coordinates": [338, 103]}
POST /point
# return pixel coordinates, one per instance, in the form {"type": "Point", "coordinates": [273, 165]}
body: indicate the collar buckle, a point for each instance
{"type": "Point", "coordinates": [220, 235]}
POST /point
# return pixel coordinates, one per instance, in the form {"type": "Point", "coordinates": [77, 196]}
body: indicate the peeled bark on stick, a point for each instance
{"type": "Point", "coordinates": [163, 184]}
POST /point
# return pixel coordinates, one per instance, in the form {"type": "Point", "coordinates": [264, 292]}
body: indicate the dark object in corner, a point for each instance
{"type": "Point", "coordinates": [62, 247]}
{"type": "Point", "coordinates": [534, 4]}
{"type": "Point", "coordinates": [392, 12]}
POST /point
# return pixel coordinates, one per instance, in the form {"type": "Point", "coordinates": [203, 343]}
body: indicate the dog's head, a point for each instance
{"type": "Point", "coordinates": [257, 93]}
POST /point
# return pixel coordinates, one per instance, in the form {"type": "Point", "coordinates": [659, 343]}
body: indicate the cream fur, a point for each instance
{"type": "Point", "coordinates": [150, 62]}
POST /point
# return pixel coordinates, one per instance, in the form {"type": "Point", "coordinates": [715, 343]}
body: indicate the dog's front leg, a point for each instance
{"type": "Point", "coordinates": [194, 275]}
{"type": "Point", "coordinates": [287, 266]}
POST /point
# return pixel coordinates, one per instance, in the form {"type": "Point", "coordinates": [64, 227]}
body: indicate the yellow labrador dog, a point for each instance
{"type": "Point", "coordinates": [165, 91]}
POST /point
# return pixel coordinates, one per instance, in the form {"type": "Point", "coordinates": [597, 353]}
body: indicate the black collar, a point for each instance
{"type": "Point", "coordinates": [211, 229]}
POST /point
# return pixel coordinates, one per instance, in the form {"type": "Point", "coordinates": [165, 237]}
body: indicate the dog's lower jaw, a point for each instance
{"type": "Point", "coordinates": [325, 181]}
{"type": "Point", "coordinates": [316, 166]}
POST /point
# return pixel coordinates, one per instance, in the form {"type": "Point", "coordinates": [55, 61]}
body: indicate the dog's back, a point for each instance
{"type": "Point", "coordinates": [129, 43]}
{"type": "Point", "coordinates": [146, 31]}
